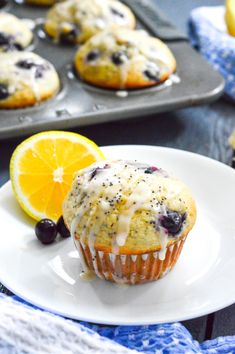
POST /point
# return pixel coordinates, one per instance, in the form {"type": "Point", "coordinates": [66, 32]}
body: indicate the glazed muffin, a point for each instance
{"type": "Point", "coordinates": [75, 21]}
{"type": "Point", "coordinates": [26, 79]}
{"type": "Point", "coordinates": [14, 33]}
{"type": "Point", "coordinates": [129, 220]}
{"type": "Point", "coordinates": [124, 59]}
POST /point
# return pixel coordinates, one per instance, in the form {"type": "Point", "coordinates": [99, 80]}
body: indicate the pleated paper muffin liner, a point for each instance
{"type": "Point", "coordinates": [131, 269]}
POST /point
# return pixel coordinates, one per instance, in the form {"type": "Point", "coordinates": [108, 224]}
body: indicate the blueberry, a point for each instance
{"type": "Point", "coordinates": [15, 46]}
{"type": "Point", "coordinates": [172, 222]}
{"type": "Point", "coordinates": [116, 12]}
{"type": "Point", "coordinates": [4, 93]}
{"type": "Point", "coordinates": [62, 229]}
{"type": "Point", "coordinates": [25, 64]}
{"type": "Point", "coordinates": [39, 71]}
{"type": "Point", "coordinates": [5, 39]}
{"type": "Point", "coordinates": [8, 42]}
{"type": "Point", "coordinates": [97, 170]}
{"type": "Point", "coordinates": [94, 172]}
{"type": "Point", "coordinates": [93, 55]}
{"type": "Point", "coordinates": [151, 169]}
{"type": "Point", "coordinates": [69, 37]}
{"type": "Point", "coordinates": [46, 231]}
{"type": "Point", "coordinates": [119, 58]}
{"type": "Point", "coordinates": [28, 64]}
{"type": "Point", "coordinates": [152, 75]}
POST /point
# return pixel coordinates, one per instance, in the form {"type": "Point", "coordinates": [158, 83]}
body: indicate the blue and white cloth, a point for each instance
{"type": "Point", "coordinates": [27, 330]}
{"type": "Point", "coordinates": [208, 33]}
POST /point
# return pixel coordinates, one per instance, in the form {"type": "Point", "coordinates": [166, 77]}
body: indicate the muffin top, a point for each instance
{"type": "Point", "coordinates": [25, 74]}
{"type": "Point", "coordinates": [124, 58]}
{"type": "Point", "coordinates": [14, 33]}
{"type": "Point", "coordinates": [126, 207]}
{"type": "Point", "coordinates": [74, 21]}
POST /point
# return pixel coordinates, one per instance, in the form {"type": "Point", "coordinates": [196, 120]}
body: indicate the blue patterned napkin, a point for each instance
{"type": "Point", "coordinates": [208, 34]}
{"type": "Point", "coordinates": [28, 330]}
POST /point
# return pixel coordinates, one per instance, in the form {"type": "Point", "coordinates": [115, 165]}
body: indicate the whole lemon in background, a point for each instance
{"type": "Point", "coordinates": [230, 16]}
{"type": "Point", "coordinates": [42, 169]}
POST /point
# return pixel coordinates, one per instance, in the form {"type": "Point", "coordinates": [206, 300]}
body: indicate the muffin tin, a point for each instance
{"type": "Point", "coordinates": [79, 104]}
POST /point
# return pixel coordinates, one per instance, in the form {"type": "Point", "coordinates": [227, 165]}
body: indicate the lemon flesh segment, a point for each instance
{"type": "Point", "coordinates": [230, 16]}
{"type": "Point", "coordinates": [42, 169]}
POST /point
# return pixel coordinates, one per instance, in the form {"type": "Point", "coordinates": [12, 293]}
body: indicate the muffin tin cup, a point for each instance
{"type": "Point", "coordinates": [130, 269]}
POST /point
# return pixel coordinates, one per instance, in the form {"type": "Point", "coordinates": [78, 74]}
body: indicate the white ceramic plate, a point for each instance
{"type": "Point", "coordinates": [201, 282]}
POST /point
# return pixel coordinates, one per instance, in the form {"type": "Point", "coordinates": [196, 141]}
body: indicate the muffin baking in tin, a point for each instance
{"type": "Point", "coordinates": [124, 59]}
{"type": "Point", "coordinates": [14, 33]}
{"type": "Point", "coordinates": [26, 79]}
{"type": "Point", "coordinates": [74, 21]}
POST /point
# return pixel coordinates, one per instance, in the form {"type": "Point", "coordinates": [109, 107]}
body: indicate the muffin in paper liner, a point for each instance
{"type": "Point", "coordinates": [129, 220]}
{"type": "Point", "coordinates": [130, 269]}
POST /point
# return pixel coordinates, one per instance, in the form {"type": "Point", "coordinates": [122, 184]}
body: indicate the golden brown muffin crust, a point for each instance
{"type": "Point", "coordinates": [76, 21]}
{"type": "Point", "coordinates": [26, 79]}
{"type": "Point", "coordinates": [124, 59]}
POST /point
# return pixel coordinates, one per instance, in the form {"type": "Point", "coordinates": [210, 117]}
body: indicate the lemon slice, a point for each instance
{"type": "Point", "coordinates": [42, 169]}
{"type": "Point", "coordinates": [230, 16]}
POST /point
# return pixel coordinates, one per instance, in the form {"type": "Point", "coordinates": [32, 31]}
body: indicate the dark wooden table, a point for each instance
{"type": "Point", "coordinates": [204, 130]}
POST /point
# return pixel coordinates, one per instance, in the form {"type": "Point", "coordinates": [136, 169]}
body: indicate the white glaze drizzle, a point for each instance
{"type": "Point", "coordinates": [73, 229]}
{"type": "Point", "coordinates": [100, 23]}
{"type": "Point", "coordinates": [123, 258]}
{"type": "Point", "coordinates": [32, 80]}
{"type": "Point", "coordinates": [135, 201]}
{"type": "Point", "coordinates": [124, 71]}
{"type": "Point", "coordinates": [29, 23]}
{"type": "Point", "coordinates": [144, 257]}
{"type": "Point", "coordinates": [163, 241]}
{"type": "Point", "coordinates": [175, 79]}
{"type": "Point", "coordinates": [155, 255]}
{"type": "Point", "coordinates": [133, 258]}
{"type": "Point", "coordinates": [93, 191]}
{"type": "Point", "coordinates": [122, 94]}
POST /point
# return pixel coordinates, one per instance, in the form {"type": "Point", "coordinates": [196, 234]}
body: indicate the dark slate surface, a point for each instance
{"type": "Point", "coordinates": [224, 322]}
{"type": "Point", "coordinates": [204, 130]}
